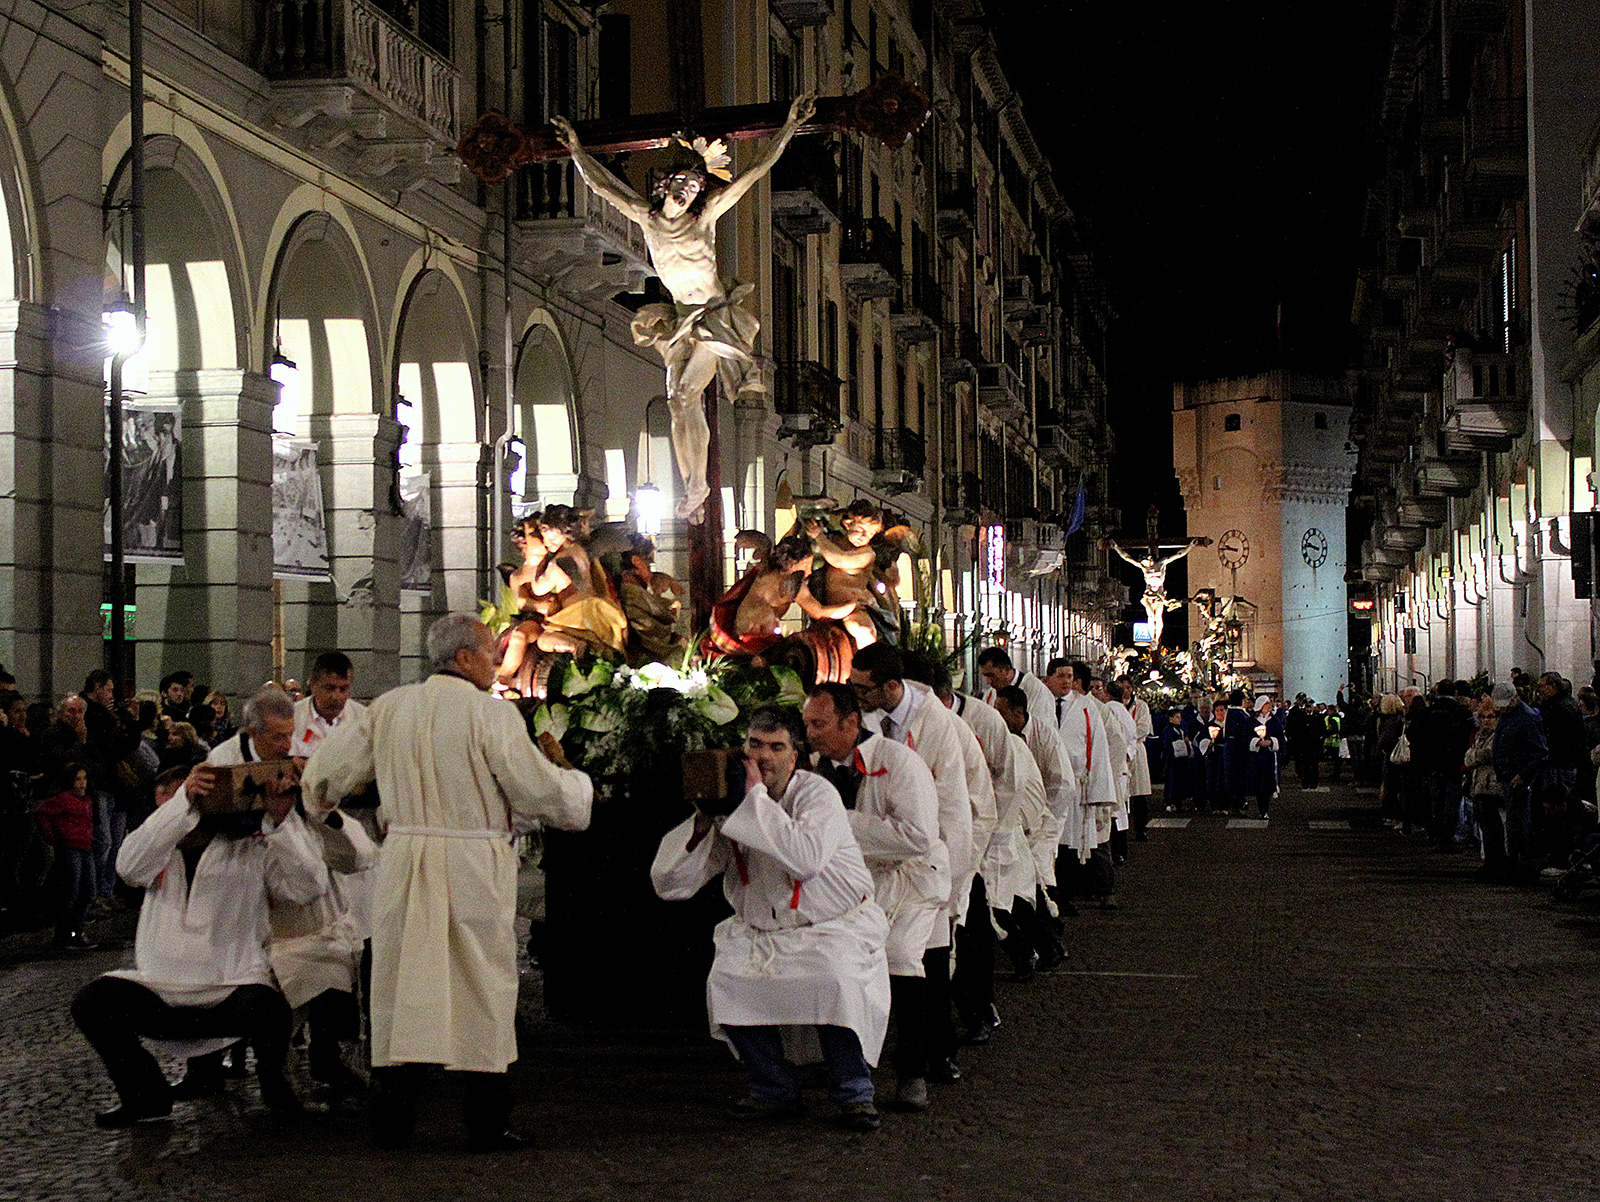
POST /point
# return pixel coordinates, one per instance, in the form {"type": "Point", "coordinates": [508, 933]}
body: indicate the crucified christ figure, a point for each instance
{"type": "Point", "coordinates": [706, 331]}
{"type": "Point", "coordinates": [1155, 600]}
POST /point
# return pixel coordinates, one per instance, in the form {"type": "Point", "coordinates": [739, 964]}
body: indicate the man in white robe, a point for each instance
{"type": "Point", "coordinates": [908, 712]}
{"type": "Point", "coordinates": [805, 946]}
{"type": "Point", "coordinates": [317, 950]}
{"type": "Point", "coordinates": [1030, 941]}
{"type": "Point", "coordinates": [998, 671]}
{"type": "Point", "coordinates": [1083, 733]}
{"type": "Point", "coordinates": [459, 778]}
{"type": "Point", "coordinates": [1140, 785]}
{"type": "Point", "coordinates": [200, 965]}
{"type": "Point", "coordinates": [984, 751]}
{"type": "Point", "coordinates": [894, 812]}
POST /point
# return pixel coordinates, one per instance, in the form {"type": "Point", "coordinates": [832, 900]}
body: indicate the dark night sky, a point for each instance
{"type": "Point", "coordinates": [1221, 153]}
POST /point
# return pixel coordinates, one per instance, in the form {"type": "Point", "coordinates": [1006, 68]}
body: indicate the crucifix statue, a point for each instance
{"type": "Point", "coordinates": [1153, 565]}
{"type": "Point", "coordinates": [706, 332]}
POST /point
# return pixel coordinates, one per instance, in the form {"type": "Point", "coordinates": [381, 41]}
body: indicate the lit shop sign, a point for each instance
{"type": "Point", "coordinates": [995, 555]}
{"type": "Point", "coordinates": [1362, 607]}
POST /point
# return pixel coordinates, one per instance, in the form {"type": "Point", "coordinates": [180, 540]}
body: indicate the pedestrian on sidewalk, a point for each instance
{"type": "Point", "coordinates": [1520, 755]}
{"type": "Point", "coordinates": [1488, 797]}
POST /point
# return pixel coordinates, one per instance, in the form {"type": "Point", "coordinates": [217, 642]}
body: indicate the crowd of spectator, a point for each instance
{"type": "Point", "coordinates": [78, 773]}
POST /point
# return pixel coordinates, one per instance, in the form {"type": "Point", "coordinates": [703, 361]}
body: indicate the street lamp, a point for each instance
{"type": "Point", "coordinates": [284, 372]}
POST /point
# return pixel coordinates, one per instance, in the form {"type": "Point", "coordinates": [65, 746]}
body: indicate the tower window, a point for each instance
{"type": "Point", "coordinates": [1231, 422]}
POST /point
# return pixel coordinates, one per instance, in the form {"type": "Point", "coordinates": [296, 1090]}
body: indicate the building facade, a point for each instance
{"type": "Point", "coordinates": [1264, 468]}
{"type": "Point", "coordinates": [342, 319]}
{"type": "Point", "coordinates": [1475, 401]}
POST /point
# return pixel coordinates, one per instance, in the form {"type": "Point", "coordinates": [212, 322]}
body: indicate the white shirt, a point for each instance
{"type": "Point", "coordinates": [310, 727]}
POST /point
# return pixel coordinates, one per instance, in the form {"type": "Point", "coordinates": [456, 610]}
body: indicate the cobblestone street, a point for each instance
{"type": "Point", "coordinates": [1319, 1010]}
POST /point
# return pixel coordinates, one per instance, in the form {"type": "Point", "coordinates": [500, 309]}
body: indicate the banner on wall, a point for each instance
{"type": "Point", "coordinates": [416, 556]}
{"type": "Point", "coordinates": [152, 482]}
{"type": "Point", "coordinates": [299, 532]}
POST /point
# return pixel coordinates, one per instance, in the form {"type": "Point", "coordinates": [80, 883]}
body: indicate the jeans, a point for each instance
{"type": "Point", "coordinates": [105, 856]}
{"type": "Point", "coordinates": [1444, 792]}
{"type": "Point", "coordinates": [772, 1078]}
{"type": "Point", "coordinates": [74, 890]}
{"type": "Point", "coordinates": [116, 831]}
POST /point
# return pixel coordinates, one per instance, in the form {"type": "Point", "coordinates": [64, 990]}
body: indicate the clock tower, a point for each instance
{"type": "Point", "coordinates": [1265, 474]}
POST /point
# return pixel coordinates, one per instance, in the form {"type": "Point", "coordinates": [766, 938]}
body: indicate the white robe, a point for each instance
{"type": "Point", "coordinates": [1044, 741]}
{"type": "Point", "coordinates": [197, 943]}
{"type": "Point", "coordinates": [459, 777]}
{"type": "Point", "coordinates": [315, 946]}
{"type": "Point", "coordinates": [1083, 734]}
{"type": "Point", "coordinates": [1008, 867]}
{"type": "Point", "coordinates": [1139, 784]}
{"type": "Point", "coordinates": [806, 942]}
{"type": "Point", "coordinates": [896, 825]}
{"type": "Point", "coordinates": [1120, 736]}
{"type": "Point", "coordinates": [937, 735]}
{"type": "Point", "coordinates": [354, 886]}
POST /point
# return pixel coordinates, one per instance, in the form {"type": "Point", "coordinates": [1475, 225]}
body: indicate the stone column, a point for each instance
{"type": "Point", "coordinates": [52, 439]}
{"type": "Point", "coordinates": [460, 518]}
{"type": "Point", "coordinates": [214, 615]}
{"type": "Point", "coordinates": [358, 463]}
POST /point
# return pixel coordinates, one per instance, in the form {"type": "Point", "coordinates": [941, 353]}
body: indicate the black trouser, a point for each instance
{"type": "Point", "coordinates": [331, 1016]}
{"type": "Point", "coordinates": [1488, 810]}
{"type": "Point", "coordinates": [486, 1100]}
{"type": "Point", "coordinates": [908, 1004]}
{"type": "Point", "coordinates": [1306, 765]}
{"type": "Point", "coordinates": [973, 984]}
{"type": "Point", "coordinates": [1096, 878]}
{"type": "Point", "coordinates": [1139, 813]}
{"type": "Point", "coordinates": [941, 1029]}
{"type": "Point", "coordinates": [1027, 931]}
{"type": "Point", "coordinates": [113, 1013]}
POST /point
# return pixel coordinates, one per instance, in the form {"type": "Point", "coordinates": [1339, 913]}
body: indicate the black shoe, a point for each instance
{"type": "Point", "coordinates": [1022, 969]}
{"type": "Point", "coordinates": [860, 1116]}
{"type": "Point", "coordinates": [338, 1077]}
{"type": "Point", "coordinates": [79, 942]}
{"type": "Point", "coordinates": [944, 1072]}
{"type": "Point", "coordinates": [1052, 959]}
{"type": "Point", "coordinates": [195, 1085]}
{"type": "Point", "coordinates": [748, 1108]}
{"type": "Point", "coordinates": [506, 1141]}
{"type": "Point", "coordinates": [129, 1113]}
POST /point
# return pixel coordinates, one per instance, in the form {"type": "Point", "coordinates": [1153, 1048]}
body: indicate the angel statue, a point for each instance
{"type": "Point", "coordinates": [706, 331]}
{"type": "Point", "coordinates": [1155, 600]}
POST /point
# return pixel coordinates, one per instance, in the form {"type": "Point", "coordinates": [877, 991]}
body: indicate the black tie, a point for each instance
{"type": "Point", "coordinates": [1059, 700]}
{"type": "Point", "coordinates": [847, 779]}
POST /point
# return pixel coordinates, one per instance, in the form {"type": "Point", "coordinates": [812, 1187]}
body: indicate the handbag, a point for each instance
{"type": "Point", "coordinates": [1402, 751]}
{"type": "Point", "coordinates": [1344, 749]}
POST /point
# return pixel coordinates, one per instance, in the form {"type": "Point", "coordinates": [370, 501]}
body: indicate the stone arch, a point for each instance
{"type": "Point", "coordinates": [21, 276]}
{"type": "Point", "coordinates": [546, 392]}
{"type": "Point", "coordinates": [319, 304]}
{"type": "Point", "coordinates": [443, 431]}
{"type": "Point", "coordinates": [198, 302]}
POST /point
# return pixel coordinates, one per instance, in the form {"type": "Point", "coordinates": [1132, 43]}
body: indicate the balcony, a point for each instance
{"type": "Point", "coordinates": [900, 462]}
{"type": "Point", "coordinates": [800, 14]}
{"type": "Point", "coordinates": [1000, 389]}
{"type": "Point", "coordinates": [805, 188]}
{"type": "Point", "coordinates": [1055, 445]}
{"type": "Point", "coordinates": [350, 82]}
{"type": "Point", "coordinates": [962, 501]}
{"type": "Point", "coordinates": [915, 317]}
{"type": "Point", "coordinates": [1035, 327]}
{"type": "Point", "coordinates": [1497, 146]}
{"type": "Point", "coordinates": [806, 398]}
{"type": "Point", "coordinates": [569, 236]}
{"type": "Point", "coordinates": [958, 204]}
{"type": "Point", "coordinates": [959, 353]}
{"type": "Point", "coordinates": [869, 260]}
{"type": "Point", "coordinates": [1016, 297]}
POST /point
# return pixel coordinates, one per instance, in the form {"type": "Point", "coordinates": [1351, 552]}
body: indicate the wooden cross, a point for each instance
{"type": "Point", "coordinates": [889, 110]}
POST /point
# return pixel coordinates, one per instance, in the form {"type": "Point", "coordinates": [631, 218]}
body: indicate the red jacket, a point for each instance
{"type": "Point", "coordinates": [67, 821]}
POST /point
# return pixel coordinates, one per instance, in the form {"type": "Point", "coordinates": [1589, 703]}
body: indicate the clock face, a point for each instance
{"type": "Point", "coordinates": [1233, 548]}
{"type": "Point", "coordinates": [1314, 548]}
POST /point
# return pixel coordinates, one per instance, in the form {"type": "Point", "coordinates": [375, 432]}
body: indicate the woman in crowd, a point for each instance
{"type": "Point", "coordinates": [1391, 725]}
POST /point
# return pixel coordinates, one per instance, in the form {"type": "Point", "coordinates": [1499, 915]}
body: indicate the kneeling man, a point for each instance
{"type": "Point", "coordinates": [805, 946]}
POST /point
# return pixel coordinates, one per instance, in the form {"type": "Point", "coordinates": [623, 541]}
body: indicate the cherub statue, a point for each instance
{"type": "Point", "coordinates": [748, 618]}
{"type": "Point", "coordinates": [706, 331]}
{"type": "Point", "coordinates": [860, 571]}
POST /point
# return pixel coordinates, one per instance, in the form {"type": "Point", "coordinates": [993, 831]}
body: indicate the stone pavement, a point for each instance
{"type": "Point", "coordinates": [1295, 1012]}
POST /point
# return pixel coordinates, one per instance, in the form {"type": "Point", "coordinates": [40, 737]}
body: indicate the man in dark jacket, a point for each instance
{"type": "Point", "coordinates": [1447, 729]}
{"type": "Point", "coordinates": [1559, 817]}
{"type": "Point", "coordinates": [113, 738]}
{"type": "Point", "coordinates": [1520, 755]}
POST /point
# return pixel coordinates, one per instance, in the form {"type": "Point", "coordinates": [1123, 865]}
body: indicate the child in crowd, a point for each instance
{"type": "Point", "coordinates": [67, 822]}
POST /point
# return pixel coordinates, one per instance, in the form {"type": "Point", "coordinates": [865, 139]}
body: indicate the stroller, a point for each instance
{"type": "Point", "coordinates": [1584, 866]}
